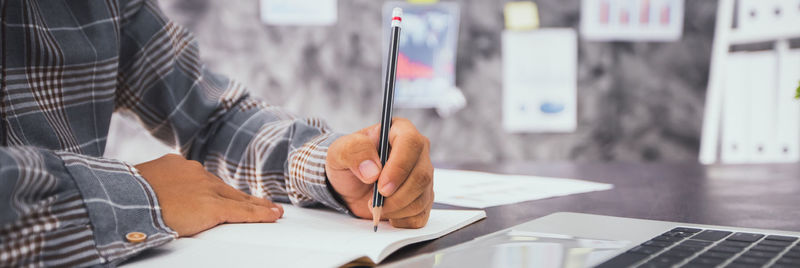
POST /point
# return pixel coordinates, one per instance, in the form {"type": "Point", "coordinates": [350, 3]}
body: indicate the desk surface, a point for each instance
{"type": "Point", "coordinates": [755, 196]}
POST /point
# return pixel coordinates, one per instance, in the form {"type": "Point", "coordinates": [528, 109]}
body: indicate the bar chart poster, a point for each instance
{"type": "Point", "coordinates": [632, 20]}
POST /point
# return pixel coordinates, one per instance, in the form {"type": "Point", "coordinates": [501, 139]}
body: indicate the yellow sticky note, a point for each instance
{"type": "Point", "coordinates": [521, 15]}
{"type": "Point", "coordinates": [424, 2]}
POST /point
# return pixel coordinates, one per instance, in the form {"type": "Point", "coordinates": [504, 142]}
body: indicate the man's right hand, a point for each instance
{"type": "Point", "coordinates": [193, 200]}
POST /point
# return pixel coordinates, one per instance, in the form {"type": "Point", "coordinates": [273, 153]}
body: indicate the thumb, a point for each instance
{"type": "Point", "coordinates": [358, 152]}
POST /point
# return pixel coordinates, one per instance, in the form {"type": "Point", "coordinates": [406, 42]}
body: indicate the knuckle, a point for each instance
{"type": "Point", "coordinates": [393, 207]}
{"type": "Point", "coordinates": [362, 144]}
{"type": "Point", "coordinates": [340, 154]}
{"type": "Point", "coordinates": [194, 163]}
{"type": "Point", "coordinates": [400, 171]}
{"type": "Point", "coordinates": [416, 141]}
{"type": "Point", "coordinates": [217, 187]}
{"type": "Point", "coordinates": [359, 148]}
{"type": "Point", "coordinates": [215, 208]}
{"type": "Point", "coordinates": [417, 206]}
{"type": "Point", "coordinates": [414, 222]}
{"type": "Point", "coordinates": [172, 156]}
{"type": "Point", "coordinates": [209, 199]}
{"type": "Point", "coordinates": [248, 208]}
{"type": "Point", "coordinates": [209, 185]}
{"type": "Point", "coordinates": [421, 221]}
{"type": "Point", "coordinates": [345, 148]}
{"type": "Point", "coordinates": [424, 179]}
{"type": "Point", "coordinates": [219, 218]}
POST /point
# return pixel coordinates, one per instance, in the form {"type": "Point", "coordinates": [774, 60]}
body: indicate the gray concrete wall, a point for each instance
{"type": "Point", "coordinates": [637, 101]}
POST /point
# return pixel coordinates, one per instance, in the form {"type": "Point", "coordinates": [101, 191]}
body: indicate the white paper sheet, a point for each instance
{"type": "Point", "coordinates": [332, 239]}
{"type": "Point", "coordinates": [481, 190]}
{"type": "Point", "coordinates": [540, 80]}
{"type": "Point", "coordinates": [299, 12]}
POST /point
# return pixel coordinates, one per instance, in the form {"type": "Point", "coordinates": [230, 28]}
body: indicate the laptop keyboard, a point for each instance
{"type": "Point", "coordinates": [693, 247]}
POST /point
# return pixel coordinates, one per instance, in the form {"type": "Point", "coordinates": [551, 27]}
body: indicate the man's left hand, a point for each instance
{"type": "Point", "coordinates": [406, 181]}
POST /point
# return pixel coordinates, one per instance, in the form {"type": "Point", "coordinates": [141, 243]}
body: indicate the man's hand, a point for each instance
{"type": "Point", "coordinates": [193, 200]}
{"type": "Point", "coordinates": [353, 166]}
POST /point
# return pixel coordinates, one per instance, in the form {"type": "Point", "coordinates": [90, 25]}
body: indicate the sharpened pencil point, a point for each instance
{"type": "Point", "coordinates": [376, 218]}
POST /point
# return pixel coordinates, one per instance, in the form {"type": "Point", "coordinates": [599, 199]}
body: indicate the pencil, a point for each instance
{"type": "Point", "coordinates": [386, 114]}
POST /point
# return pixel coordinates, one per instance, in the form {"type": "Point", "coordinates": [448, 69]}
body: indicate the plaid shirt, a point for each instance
{"type": "Point", "coordinates": [66, 67]}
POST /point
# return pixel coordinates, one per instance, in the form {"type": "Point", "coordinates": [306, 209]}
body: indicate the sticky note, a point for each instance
{"type": "Point", "coordinates": [521, 15]}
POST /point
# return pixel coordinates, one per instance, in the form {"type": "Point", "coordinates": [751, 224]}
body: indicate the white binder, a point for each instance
{"type": "Point", "coordinates": [764, 120]}
{"type": "Point", "coordinates": [788, 118]}
{"type": "Point", "coordinates": [735, 108]}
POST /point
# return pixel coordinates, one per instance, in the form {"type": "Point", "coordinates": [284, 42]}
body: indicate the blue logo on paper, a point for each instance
{"type": "Point", "coordinates": [551, 107]}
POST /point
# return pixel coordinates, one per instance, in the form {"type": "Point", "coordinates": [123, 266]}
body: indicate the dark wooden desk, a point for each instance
{"type": "Point", "coordinates": [756, 196]}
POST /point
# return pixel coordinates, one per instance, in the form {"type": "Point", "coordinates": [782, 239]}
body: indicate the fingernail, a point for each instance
{"type": "Point", "coordinates": [388, 189]}
{"type": "Point", "coordinates": [276, 210]}
{"type": "Point", "coordinates": [368, 169]}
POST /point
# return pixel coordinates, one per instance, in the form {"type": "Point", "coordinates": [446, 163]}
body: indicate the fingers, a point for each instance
{"type": "Point", "coordinates": [233, 211]}
{"type": "Point", "coordinates": [358, 153]}
{"type": "Point", "coordinates": [422, 203]}
{"type": "Point", "coordinates": [412, 201]}
{"type": "Point", "coordinates": [407, 178]}
{"type": "Point", "coordinates": [226, 191]}
{"type": "Point", "coordinates": [413, 222]}
{"type": "Point", "coordinates": [408, 145]}
{"type": "Point", "coordinates": [417, 188]}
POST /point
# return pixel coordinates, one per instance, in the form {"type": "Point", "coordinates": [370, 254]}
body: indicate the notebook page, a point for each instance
{"type": "Point", "coordinates": [191, 252]}
{"type": "Point", "coordinates": [332, 238]}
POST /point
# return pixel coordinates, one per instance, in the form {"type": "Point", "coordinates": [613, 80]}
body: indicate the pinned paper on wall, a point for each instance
{"type": "Point", "coordinates": [632, 20]}
{"type": "Point", "coordinates": [299, 12]}
{"type": "Point", "coordinates": [539, 80]}
{"type": "Point", "coordinates": [426, 61]}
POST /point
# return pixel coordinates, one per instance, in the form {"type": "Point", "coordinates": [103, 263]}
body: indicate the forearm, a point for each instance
{"type": "Point", "coordinates": [61, 209]}
{"type": "Point", "coordinates": [211, 119]}
{"type": "Point", "coordinates": [262, 150]}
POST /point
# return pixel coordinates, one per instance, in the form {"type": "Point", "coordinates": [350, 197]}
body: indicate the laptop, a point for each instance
{"type": "Point", "coordinates": [567, 239]}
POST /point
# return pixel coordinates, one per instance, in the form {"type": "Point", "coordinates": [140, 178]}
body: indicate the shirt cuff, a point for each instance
{"type": "Point", "coordinates": [119, 201]}
{"type": "Point", "coordinates": [307, 182]}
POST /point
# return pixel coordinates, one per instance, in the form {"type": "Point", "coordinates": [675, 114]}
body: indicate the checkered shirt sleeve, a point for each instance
{"type": "Point", "coordinates": [66, 67]}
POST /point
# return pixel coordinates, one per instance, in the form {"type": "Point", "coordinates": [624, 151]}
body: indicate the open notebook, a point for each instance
{"type": "Point", "coordinates": [302, 238]}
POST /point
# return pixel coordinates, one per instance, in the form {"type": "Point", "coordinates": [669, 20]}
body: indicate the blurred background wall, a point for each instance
{"type": "Point", "coordinates": [636, 101]}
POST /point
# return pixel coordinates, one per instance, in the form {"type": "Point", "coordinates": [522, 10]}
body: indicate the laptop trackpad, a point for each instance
{"type": "Point", "coordinates": [513, 248]}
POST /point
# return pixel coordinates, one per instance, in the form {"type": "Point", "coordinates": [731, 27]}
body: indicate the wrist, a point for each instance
{"type": "Point", "coordinates": [336, 196]}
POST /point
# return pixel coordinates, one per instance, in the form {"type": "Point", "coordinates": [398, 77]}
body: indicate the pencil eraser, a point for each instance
{"type": "Point", "coordinates": [397, 13]}
{"type": "Point", "coordinates": [397, 16]}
